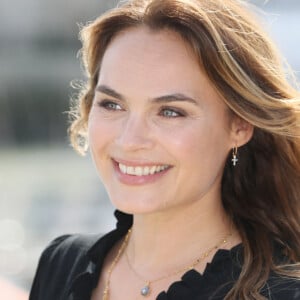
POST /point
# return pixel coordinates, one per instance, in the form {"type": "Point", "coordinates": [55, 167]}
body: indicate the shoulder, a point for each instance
{"type": "Point", "coordinates": [69, 257]}
{"type": "Point", "coordinates": [68, 247]}
{"type": "Point", "coordinates": [282, 288]}
{"type": "Point", "coordinates": [277, 287]}
{"type": "Point", "coordinates": [69, 251]}
{"type": "Point", "coordinates": [63, 259]}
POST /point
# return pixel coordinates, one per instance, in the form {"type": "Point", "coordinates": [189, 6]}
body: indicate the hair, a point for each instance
{"type": "Point", "coordinates": [261, 193]}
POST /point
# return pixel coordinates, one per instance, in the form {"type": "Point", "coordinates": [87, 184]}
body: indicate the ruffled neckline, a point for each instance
{"type": "Point", "coordinates": [224, 267]}
{"type": "Point", "coordinates": [219, 276]}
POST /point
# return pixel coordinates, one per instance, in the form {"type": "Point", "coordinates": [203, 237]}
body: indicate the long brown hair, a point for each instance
{"type": "Point", "coordinates": [262, 193]}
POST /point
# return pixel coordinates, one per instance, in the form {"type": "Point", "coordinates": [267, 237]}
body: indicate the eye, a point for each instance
{"type": "Point", "coordinates": [109, 105]}
{"type": "Point", "coordinates": [171, 113]}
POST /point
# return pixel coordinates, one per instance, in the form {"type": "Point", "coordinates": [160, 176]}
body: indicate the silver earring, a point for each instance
{"type": "Point", "coordinates": [234, 158]}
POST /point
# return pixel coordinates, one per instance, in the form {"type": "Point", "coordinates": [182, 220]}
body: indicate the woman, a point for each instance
{"type": "Point", "coordinates": [194, 131]}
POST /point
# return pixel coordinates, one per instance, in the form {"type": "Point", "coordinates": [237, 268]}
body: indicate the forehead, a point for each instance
{"type": "Point", "coordinates": [155, 44]}
{"type": "Point", "coordinates": [143, 61]}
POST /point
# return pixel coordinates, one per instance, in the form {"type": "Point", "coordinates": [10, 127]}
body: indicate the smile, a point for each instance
{"type": "Point", "coordinates": [142, 170]}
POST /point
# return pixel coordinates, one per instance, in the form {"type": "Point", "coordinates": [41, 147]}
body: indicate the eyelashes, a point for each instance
{"type": "Point", "coordinates": [163, 111]}
{"type": "Point", "coordinates": [110, 105]}
{"type": "Point", "coordinates": [170, 112]}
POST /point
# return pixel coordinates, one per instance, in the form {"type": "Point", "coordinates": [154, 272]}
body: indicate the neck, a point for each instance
{"type": "Point", "coordinates": [162, 235]}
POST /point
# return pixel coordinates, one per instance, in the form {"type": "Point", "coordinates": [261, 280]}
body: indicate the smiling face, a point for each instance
{"type": "Point", "coordinates": [158, 132]}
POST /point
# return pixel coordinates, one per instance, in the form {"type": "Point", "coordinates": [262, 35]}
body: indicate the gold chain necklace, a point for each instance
{"type": "Point", "coordinates": [146, 289]}
{"type": "Point", "coordinates": [113, 264]}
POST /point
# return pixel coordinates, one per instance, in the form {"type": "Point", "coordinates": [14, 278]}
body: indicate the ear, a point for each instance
{"type": "Point", "coordinates": [241, 131]}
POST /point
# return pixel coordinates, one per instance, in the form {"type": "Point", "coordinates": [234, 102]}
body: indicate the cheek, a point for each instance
{"type": "Point", "coordinates": [99, 130]}
{"type": "Point", "coordinates": [199, 143]}
{"type": "Point", "coordinates": [185, 145]}
{"type": "Point", "coordinates": [99, 137]}
{"type": "Point", "coordinates": [185, 138]}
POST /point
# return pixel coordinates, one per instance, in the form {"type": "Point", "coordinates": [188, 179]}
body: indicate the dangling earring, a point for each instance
{"type": "Point", "coordinates": [234, 158]}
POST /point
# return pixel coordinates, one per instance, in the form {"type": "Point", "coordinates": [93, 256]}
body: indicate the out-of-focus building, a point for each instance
{"type": "Point", "coordinates": [38, 60]}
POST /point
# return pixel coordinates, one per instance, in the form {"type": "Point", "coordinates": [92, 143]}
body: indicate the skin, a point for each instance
{"type": "Point", "coordinates": [155, 106]}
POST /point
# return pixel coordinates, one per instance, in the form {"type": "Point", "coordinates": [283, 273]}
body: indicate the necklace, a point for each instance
{"type": "Point", "coordinates": [113, 264]}
{"type": "Point", "coordinates": [146, 289]}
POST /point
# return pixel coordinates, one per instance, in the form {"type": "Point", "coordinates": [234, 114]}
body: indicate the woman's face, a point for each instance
{"type": "Point", "coordinates": [158, 132]}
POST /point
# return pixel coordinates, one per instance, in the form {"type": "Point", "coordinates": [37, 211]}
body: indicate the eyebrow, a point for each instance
{"type": "Point", "coordinates": [109, 91]}
{"type": "Point", "coordinates": [161, 99]}
{"type": "Point", "coordinates": [175, 97]}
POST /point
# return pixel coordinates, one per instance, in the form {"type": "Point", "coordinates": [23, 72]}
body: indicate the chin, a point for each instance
{"type": "Point", "coordinates": [136, 206]}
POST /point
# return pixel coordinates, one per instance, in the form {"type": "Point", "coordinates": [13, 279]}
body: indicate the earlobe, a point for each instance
{"type": "Point", "coordinates": [242, 132]}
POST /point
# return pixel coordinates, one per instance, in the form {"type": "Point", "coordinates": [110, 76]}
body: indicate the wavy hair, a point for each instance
{"type": "Point", "coordinates": [262, 193]}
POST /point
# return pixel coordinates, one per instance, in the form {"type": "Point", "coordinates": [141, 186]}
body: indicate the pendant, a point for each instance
{"type": "Point", "coordinates": [145, 291]}
{"type": "Point", "coordinates": [234, 160]}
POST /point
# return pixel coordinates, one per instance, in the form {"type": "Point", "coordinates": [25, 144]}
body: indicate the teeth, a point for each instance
{"type": "Point", "coordinates": [146, 170]}
{"type": "Point", "coordinates": [122, 168]}
{"type": "Point", "coordinates": [141, 171]}
{"type": "Point", "coordinates": [130, 170]}
{"type": "Point", "coordinates": [152, 170]}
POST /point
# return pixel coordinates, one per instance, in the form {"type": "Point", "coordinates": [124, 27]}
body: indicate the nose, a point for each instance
{"type": "Point", "coordinates": [135, 134]}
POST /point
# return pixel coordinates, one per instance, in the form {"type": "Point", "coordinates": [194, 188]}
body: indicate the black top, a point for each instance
{"type": "Point", "coordinates": [70, 267]}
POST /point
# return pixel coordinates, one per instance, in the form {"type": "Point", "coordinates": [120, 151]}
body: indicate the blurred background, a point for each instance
{"type": "Point", "coordinates": [46, 189]}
